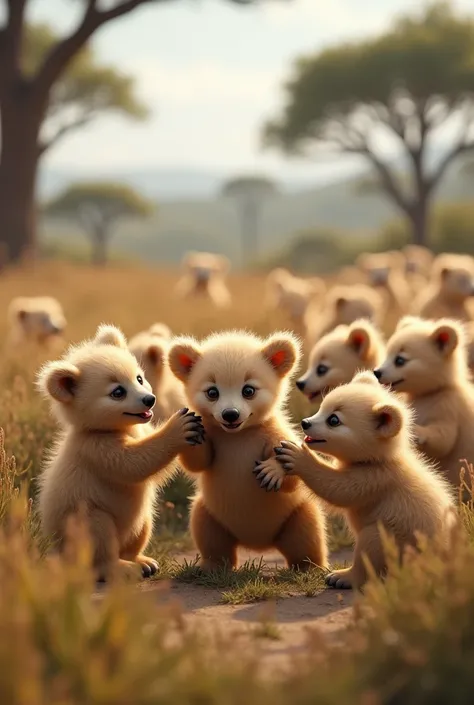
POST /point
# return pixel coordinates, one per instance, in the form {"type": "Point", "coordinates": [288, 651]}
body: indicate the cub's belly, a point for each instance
{"type": "Point", "coordinates": [251, 514]}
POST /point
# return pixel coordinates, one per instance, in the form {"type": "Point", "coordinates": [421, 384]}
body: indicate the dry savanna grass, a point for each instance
{"type": "Point", "coordinates": [410, 639]}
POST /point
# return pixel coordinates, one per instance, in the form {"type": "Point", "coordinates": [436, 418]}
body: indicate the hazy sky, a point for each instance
{"type": "Point", "coordinates": [210, 73]}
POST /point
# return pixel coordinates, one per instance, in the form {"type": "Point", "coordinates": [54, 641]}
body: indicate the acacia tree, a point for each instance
{"type": "Point", "coordinates": [25, 97]}
{"type": "Point", "coordinates": [97, 208]}
{"type": "Point", "coordinates": [250, 194]}
{"type": "Point", "coordinates": [408, 84]}
{"type": "Point", "coordinates": [86, 91]}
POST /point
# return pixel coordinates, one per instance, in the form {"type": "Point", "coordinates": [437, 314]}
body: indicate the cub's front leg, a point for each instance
{"type": "Point", "coordinates": [270, 474]}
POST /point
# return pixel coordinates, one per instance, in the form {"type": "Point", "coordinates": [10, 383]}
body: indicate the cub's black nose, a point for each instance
{"type": "Point", "coordinates": [55, 330]}
{"type": "Point", "coordinates": [149, 400]}
{"type": "Point", "coordinates": [305, 424]}
{"type": "Point", "coordinates": [378, 374]}
{"type": "Point", "coordinates": [231, 415]}
{"type": "Point", "coordinates": [301, 384]}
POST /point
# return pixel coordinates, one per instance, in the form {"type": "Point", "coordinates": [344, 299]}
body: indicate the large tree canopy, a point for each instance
{"type": "Point", "coordinates": [27, 96]}
{"type": "Point", "coordinates": [84, 92]}
{"type": "Point", "coordinates": [405, 87]}
{"type": "Point", "coordinates": [97, 208]}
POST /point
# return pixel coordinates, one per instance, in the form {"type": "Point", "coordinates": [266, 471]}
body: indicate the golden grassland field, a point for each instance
{"type": "Point", "coordinates": [411, 639]}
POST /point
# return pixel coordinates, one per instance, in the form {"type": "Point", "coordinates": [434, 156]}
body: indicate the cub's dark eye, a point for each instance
{"type": "Point", "coordinates": [212, 393]}
{"type": "Point", "coordinates": [140, 379]}
{"type": "Point", "coordinates": [333, 421]}
{"type": "Point", "coordinates": [119, 393]}
{"type": "Point", "coordinates": [399, 361]}
{"type": "Point", "coordinates": [322, 370]}
{"type": "Point", "coordinates": [248, 391]}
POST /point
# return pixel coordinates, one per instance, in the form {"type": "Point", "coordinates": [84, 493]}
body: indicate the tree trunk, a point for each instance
{"type": "Point", "coordinates": [18, 172]}
{"type": "Point", "coordinates": [419, 221]}
{"type": "Point", "coordinates": [99, 247]}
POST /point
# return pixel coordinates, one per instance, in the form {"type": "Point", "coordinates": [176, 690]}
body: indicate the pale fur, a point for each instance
{"type": "Point", "coordinates": [418, 264]}
{"type": "Point", "coordinates": [385, 273]}
{"type": "Point", "coordinates": [338, 355]}
{"type": "Point", "coordinates": [35, 319]}
{"type": "Point", "coordinates": [342, 306]}
{"type": "Point", "coordinates": [151, 351]}
{"type": "Point", "coordinates": [435, 378]}
{"type": "Point", "coordinates": [106, 461]}
{"type": "Point", "coordinates": [292, 294]}
{"type": "Point", "coordinates": [450, 291]}
{"type": "Point", "coordinates": [204, 274]}
{"type": "Point", "coordinates": [229, 510]}
{"type": "Point", "coordinates": [378, 479]}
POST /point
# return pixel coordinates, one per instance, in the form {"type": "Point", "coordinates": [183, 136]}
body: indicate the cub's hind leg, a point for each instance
{"type": "Point", "coordinates": [214, 542]}
{"type": "Point", "coordinates": [133, 550]}
{"type": "Point", "coordinates": [302, 539]}
{"type": "Point", "coordinates": [107, 560]}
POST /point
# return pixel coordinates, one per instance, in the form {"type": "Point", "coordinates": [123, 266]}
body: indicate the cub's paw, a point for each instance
{"type": "Point", "coordinates": [269, 474]}
{"type": "Point", "coordinates": [148, 565]}
{"type": "Point", "coordinates": [340, 579]}
{"type": "Point", "coordinates": [289, 455]}
{"type": "Point", "coordinates": [189, 427]}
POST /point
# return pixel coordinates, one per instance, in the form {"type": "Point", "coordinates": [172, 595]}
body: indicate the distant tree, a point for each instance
{"type": "Point", "coordinates": [26, 93]}
{"type": "Point", "coordinates": [406, 84]}
{"type": "Point", "coordinates": [250, 194]}
{"type": "Point", "coordinates": [97, 208]}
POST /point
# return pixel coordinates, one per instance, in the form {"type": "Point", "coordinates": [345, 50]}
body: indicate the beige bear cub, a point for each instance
{"type": "Point", "coordinates": [377, 479]}
{"type": "Point", "coordinates": [238, 383]}
{"type": "Point", "coordinates": [108, 458]}
{"type": "Point", "coordinates": [427, 361]}
{"type": "Point", "coordinates": [336, 358]}
{"type": "Point", "coordinates": [292, 294]}
{"type": "Point", "coordinates": [204, 275]}
{"type": "Point", "coordinates": [451, 291]}
{"type": "Point", "coordinates": [35, 319]}
{"type": "Point", "coordinates": [342, 306]}
{"type": "Point", "coordinates": [151, 351]}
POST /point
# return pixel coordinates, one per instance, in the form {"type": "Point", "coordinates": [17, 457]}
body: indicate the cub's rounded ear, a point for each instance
{"type": "Point", "coordinates": [446, 338]}
{"type": "Point", "coordinates": [388, 420]}
{"type": "Point", "coordinates": [366, 377]}
{"type": "Point", "coordinates": [110, 335]}
{"type": "Point", "coordinates": [161, 330]}
{"type": "Point", "coordinates": [407, 321]}
{"type": "Point", "coordinates": [59, 380]}
{"type": "Point", "coordinates": [282, 352]}
{"type": "Point", "coordinates": [182, 357]}
{"type": "Point", "coordinates": [360, 339]}
{"type": "Point", "coordinates": [156, 354]}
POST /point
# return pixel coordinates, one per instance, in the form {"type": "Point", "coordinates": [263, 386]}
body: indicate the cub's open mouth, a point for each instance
{"type": "Point", "coordinates": [145, 415]}
{"type": "Point", "coordinates": [232, 426]}
{"type": "Point", "coordinates": [308, 440]}
{"type": "Point", "coordinates": [394, 384]}
{"type": "Point", "coordinates": [313, 395]}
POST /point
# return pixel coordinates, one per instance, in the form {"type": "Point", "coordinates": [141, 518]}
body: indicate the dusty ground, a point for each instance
{"type": "Point", "coordinates": [291, 618]}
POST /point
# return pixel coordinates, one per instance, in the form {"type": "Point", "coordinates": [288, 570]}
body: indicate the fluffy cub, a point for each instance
{"type": "Point", "coordinates": [239, 384]}
{"type": "Point", "coordinates": [451, 290]}
{"type": "Point", "coordinates": [35, 319]}
{"type": "Point", "coordinates": [343, 305]}
{"type": "Point", "coordinates": [336, 358]}
{"type": "Point", "coordinates": [151, 351]}
{"type": "Point", "coordinates": [384, 272]}
{"type": "Point", "coordinates": [377, 479]}
{"type": "Point", "coordinates": [106, 458]}
{"type": "Point", "coordinates": [427, 361]}
{"type": "Point", "coordinates": [292, 294]}
{"type": "Point", "coordinates": [204, 274]}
